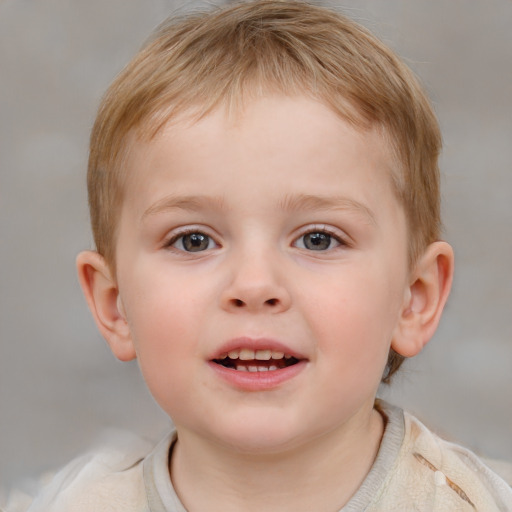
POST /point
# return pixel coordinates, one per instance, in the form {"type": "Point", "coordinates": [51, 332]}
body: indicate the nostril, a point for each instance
{"type": "Point", "coordinates": [238, 303]}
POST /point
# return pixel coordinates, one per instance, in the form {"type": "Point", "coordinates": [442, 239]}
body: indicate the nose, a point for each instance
{"type": "Point", "coordinates": [256, 284]}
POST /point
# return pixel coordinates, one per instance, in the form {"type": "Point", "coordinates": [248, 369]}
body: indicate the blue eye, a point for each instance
{"type": "Point", "coordinates": [317, 241]}
{"type": "Point", "coordinates": [193, 242]}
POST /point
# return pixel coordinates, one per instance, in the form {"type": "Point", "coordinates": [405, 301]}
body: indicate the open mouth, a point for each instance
{"type": "Point", "coordinates": [247, 360]}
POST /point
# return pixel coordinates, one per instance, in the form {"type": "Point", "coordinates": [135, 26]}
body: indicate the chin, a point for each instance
{"type": "Point", "coordinates": [259, 437]}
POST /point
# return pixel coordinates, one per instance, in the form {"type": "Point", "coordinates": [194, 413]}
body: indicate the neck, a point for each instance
{"type": "Point", "coordinates": [320, 475]}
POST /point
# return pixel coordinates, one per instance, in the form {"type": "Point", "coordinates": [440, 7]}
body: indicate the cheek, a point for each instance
{"type": "Point", "coordinates": [164, 318]}
{"type": "Point", "coordinates": [357, 316]}
{"type": "Point", "coordinates": [166, 324]}
{"type": "Point", "coordinates": [166, 345]}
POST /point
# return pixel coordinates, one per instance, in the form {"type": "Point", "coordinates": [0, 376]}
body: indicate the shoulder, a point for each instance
{"type": "Point", "coordinates": [107, 479]}
{"type": "Point", "coordinates": [445, 476]}
{"type": "Point", "coordinates": [500, 467]}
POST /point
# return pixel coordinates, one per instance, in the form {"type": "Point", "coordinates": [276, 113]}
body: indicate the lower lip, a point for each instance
{"type": "Point", "coordinates": [257, 381]}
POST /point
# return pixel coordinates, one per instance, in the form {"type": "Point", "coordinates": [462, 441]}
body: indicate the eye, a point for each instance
{"type": "Point", "coordinates": [192, 242]}
{"type": "Point", "coordinates": [317, 241]}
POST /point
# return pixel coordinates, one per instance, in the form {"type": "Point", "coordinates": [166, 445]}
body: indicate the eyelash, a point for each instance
{"type": "Point", "coordinates": [182, 234]}
{"type": "Point", "coordinates": [341, 242]}
{"type": "Point", "coordinates": [321, 230]}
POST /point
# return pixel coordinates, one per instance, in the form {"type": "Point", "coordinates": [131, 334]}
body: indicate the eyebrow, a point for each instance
{"type": "Point", "coordinates": [306, 202]}
{"type": "Point", "coordinates": [189, 203]}
{"type": "Point", "coordinates": [291, 203]}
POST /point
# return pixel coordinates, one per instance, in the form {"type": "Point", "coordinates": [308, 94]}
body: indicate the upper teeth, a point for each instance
{"type": "Point", "coordinates": [247, 354]}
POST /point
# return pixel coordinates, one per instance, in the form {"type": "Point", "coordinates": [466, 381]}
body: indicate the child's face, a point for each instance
{"type": "Point", "coordinates": [275, 231]}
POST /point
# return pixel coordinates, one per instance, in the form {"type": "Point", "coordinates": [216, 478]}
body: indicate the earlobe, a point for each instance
{"type": "Point", "coordinates": [424, 299]}
{"type": "Point", "coordinates": [102, 295]}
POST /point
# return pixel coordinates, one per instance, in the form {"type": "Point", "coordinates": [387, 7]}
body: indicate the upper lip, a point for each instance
{"type": "Point", "coordinates": [255, 344]}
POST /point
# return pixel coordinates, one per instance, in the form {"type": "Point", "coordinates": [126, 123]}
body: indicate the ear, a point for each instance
{"type": "Point", "coordinates": [425, 299]}
{"type": "Point", "coordinates": [102, 295]}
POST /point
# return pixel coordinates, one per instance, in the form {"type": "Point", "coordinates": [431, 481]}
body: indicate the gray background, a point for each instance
{"type": "Point", "coordinates": [59, 386]}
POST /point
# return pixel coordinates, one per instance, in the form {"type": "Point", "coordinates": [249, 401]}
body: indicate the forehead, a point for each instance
{"type": "Point", "coordinates": [301, 140]}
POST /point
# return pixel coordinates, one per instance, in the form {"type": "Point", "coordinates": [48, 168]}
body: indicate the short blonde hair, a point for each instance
{"type": "Point", "coordinates": [231, 54]}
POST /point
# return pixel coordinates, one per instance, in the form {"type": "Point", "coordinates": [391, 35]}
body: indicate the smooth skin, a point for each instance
{"type": "Point", "coordinates": [279, 223]}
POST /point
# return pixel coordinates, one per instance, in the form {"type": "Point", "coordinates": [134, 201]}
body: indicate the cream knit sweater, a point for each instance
{"type": "Point", "coordinates": [414, 471]}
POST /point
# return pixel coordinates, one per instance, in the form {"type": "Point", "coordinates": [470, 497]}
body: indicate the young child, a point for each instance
{"type": "Point", "coordinates": [264, 197]}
